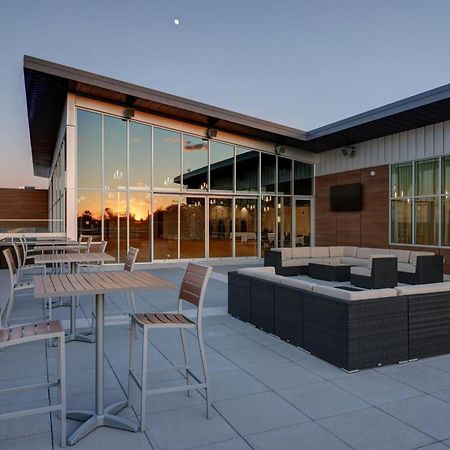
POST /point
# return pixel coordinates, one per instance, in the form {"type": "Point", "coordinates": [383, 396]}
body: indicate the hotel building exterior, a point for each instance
{"type": "Point", "coordinates": [183, 180]}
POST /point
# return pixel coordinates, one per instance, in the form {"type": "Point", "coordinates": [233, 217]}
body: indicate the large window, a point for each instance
{"type": "Point", "coordinates": [140, 156]}
{"type": "Point", "coordinates": [221, 166]}
{"type": "Point", "coordinates": [166, 159]}
{"type": "Point", "coordinates": [247, 170]}
{"type": "Point", "coordinates": [195, 163]}
{"type": "Point", "coordinates": [418, 202]}
{"type": "Point", "coordinates": [89, 149]}
{"type": "Point", "coordinates": [176, 195]}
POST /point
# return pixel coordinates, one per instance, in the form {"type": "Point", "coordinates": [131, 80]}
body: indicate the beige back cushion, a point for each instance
{"type": "Point", "coordinates": [413, 256]}
{"type": "Point", "coordinates": [350, 251]}
{"type": "Point", "coordinates": [301, 252]}
{"type": "Point", "coordinates": [337, 251]}
{"type": "Point", "coordinates": [320, 252]}
{"type": "Point", "coordinates": [286, 253]}
{"type": "Point", "coordinates": [402, 255]}
{"type": "Point", "coordinates": [354, 295]}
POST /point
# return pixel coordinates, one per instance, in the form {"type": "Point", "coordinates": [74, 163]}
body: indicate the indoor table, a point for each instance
{"type": "Point", "coordinates": [98, 284]}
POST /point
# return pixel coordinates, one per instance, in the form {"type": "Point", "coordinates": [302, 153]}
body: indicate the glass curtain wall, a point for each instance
{"type": "Point", "coordinates": [175, 195]}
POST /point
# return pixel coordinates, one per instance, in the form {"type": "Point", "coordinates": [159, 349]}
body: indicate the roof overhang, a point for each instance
{"type": "Point", "coordinates": [48, 83]}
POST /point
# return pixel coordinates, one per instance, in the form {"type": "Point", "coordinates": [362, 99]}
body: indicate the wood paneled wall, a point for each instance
{"type": "Point", "coordinates": [366, 228]}
{"type": "Point", "coordinates": [23, 204]}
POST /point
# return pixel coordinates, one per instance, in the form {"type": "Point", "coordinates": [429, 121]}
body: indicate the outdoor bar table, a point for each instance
{"type": "Point", "coordinates": [51, 242]}
{"type": "Point", "coordinates": [72, 259]}
{"type": "Point", "coordinates": [98, 284]}
{"type": "Point", "coordinates": [59, 248]}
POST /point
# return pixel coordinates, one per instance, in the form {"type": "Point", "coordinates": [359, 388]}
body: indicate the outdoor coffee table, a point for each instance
{"type": "Point", "coordinates": [72, 259]}
{"type": "Point", "coordinates": [98, 284]}
{"type": "Point", "coordinates": [330, 272]}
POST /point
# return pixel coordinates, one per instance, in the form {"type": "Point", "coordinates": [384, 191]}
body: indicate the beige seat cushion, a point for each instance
{"type": "Point", "coordinates": [402, 255]}
{"type": "Point", "coordinates": [364, 252]}
{"type": "Point", "coordinates": [301, 252]}
{"type": "Point", "coordinates": [423, 288]}
{"type": "Point", "coordinates": [320, 252]}
{"type": "Point", "coordinates": [405, 267]}
{"type": "Point", "coordinates": [354, 295]}
{"type": "Point", "coordinates": [297, 283]}
{"type": "Point", "coordinates": [295, 262]}
{"type": "Point", "coordinates": [333, 260]}
{"type": "Point", "coordinates": [413, 256]}
{"type": "Point", "coordinates": [363, 271]}
{"type": "Point", "coordinates": [354, 261]}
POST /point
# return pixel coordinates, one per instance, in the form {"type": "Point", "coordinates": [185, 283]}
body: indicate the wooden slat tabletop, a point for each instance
{"type": "Point", "coordinates": [97, 283]}
{"type": "Point", "coordinates": [73, 258]}
{"type": "Point", "coordinates": [52, 243]}
{"type": "Point", "coordinates": [60, 248]}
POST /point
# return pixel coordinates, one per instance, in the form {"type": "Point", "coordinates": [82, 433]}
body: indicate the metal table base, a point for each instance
{"type": "Point", "coordinates": [101, 416]}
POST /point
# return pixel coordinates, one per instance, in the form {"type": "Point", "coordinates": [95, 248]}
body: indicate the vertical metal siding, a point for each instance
{"type": "Point", "coordinates": [424, 142]}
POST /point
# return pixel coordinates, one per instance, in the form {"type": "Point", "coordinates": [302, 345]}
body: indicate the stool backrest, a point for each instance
{"type": "Point", "coordinates": [131, 259]}
{"type": "Point", "coordinates": [19, 254]}
{"type": "Point", "coordinates": [11, 266]}
{"type": "Point", "coordinates": [88, 244]}
{"type": "Point", "coordinates": [193, 286]}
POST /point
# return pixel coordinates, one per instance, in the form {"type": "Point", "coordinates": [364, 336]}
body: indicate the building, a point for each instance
{"type": "Point", "coordinates": [184, 180]}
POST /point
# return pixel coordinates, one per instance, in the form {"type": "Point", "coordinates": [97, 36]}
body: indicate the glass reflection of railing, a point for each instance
{"type": "Point", "coordinates": [29, 225]}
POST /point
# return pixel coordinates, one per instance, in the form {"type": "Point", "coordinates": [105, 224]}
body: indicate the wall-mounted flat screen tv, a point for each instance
{"type": "Point", "coordinates": [346, 197]}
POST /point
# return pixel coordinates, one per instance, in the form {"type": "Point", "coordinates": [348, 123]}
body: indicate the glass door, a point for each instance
{"type": "Point", "coordinates": [246, 227]}
{"type": "Point", "coordinates": [220, 227]}
{"type": "Point", "coordinates": [284, 221]}
{"type": "Point", "coordinates": [302, 223]}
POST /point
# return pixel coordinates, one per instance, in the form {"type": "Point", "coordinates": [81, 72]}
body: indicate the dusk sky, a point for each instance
{"type": "Point", "coordinates": [299, 63]}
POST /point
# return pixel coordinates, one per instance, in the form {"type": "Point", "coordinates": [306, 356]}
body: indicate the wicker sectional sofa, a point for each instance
{"type": "Point", "coordinates": [413, 267]}
{"type": "Point", "coordinates": [352, 330]}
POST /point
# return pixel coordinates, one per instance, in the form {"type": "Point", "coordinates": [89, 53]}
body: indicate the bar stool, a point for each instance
{"type": "Point", "coordinates": [33, 332]}
{"type": "Point", "coordinates": [192, 290]}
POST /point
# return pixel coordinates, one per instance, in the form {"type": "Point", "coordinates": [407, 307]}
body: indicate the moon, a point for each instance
{"type": "Point", "coordinates": [176, 22]}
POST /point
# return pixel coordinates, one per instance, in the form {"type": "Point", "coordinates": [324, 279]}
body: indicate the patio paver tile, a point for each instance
{"type": "Point", "coordinates": [307, 435]}
{"type": "Point", "coordinates": [321, 400]}
{"type": "Point", "coordinates": [372, 429]}
{"type": "Point", "coordinates": [259, 412]}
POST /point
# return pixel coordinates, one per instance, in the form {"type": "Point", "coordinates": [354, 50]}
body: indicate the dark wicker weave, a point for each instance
{"type": "Point", "coordinates": [261, 304]}
{"type": "Point", "coordinates": [383, 275]}
{"type": "Point", "coordinates": [288, 311]}
{"type": "Point", "coordinates": [429, 269]}
{"type": "Point", "coordinates": [273, 259]}
{"type": "Point", "coordinates": [239, 296]}
{"type": "Point", "coordinates": [356, 334]}
{"type": "Point", "coordinates": [329, 272]}
{"type": "Point", "coordinates": [350, 334]}
{"type": "Point", "coordinates": [429, 324]}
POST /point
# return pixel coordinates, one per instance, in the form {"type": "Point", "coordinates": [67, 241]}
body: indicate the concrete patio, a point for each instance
{"type": "Point", "coordinates": [266, 393]}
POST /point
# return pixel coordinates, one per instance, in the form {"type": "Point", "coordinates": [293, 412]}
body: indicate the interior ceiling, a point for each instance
{"type": "Point", "coordinates": [47, 85]}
